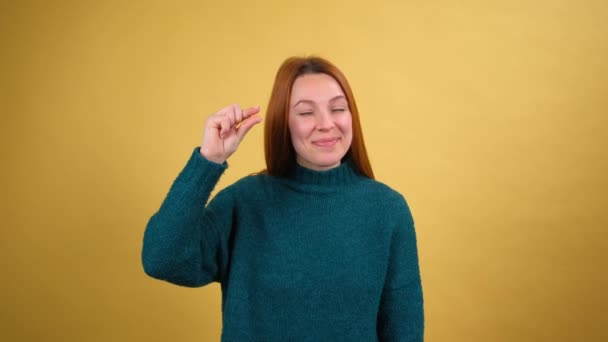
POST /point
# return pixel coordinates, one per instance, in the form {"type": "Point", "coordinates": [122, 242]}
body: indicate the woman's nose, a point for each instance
{"type": "Point", "coordinates": [324, 120]}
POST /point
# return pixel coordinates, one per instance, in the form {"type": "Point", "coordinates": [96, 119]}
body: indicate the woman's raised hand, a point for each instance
{"type": "Point", "coordinates": [225, 130]}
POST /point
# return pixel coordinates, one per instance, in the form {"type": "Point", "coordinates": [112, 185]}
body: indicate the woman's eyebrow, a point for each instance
{"type": "Point", "coordinates": [337, 97]}
{"type": "Point", "coordinates": [303, 101]}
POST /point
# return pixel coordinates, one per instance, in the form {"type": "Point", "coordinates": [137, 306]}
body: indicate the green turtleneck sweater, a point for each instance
{"type": "Point", "coordinates": [317, 256]}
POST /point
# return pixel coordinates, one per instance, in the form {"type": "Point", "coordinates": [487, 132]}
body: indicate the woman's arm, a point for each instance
{"type": "Point", "coordinates": [401, 314]}
{"type": "Point", "coordinates": [185, 242]}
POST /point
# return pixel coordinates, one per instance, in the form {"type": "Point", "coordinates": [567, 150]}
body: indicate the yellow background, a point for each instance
{"type": "Point", "coordinates": [489, 116]}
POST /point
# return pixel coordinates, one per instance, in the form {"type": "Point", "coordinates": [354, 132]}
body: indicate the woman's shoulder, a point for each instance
{"type": "Point", "coordinates": [253, 183]}
{"type": "Point", "coordinates": [252, 180]}
{"type": "Point", "coordinates": [381, 189]}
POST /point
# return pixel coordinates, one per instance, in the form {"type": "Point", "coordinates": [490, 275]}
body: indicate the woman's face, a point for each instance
{"type": "Point", "coordinates": [320, 122]}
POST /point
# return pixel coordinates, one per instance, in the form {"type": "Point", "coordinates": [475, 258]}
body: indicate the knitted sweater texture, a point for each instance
{"type": "Point", "coordinates": [316, 256]}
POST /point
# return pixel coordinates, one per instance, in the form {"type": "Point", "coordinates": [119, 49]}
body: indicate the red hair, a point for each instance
{"type": "Point", "coordinates": [279, 152]}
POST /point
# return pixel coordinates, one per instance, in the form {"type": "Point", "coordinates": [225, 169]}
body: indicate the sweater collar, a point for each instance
{"type": "Point", "coordinates": [339, 175]}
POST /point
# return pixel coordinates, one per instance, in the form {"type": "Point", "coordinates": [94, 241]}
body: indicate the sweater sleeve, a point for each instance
{"type": "Point", "coordinates": [185, 242]}
{"type": "Point", "coordinates": [401, 313]}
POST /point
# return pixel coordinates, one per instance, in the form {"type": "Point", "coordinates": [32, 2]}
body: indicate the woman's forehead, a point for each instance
{"type": "Point", "coordinates": [315, 88]}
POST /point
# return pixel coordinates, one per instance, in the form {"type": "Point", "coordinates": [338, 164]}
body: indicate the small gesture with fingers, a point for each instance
{"type": "Point", "coordinates": [225, 129]}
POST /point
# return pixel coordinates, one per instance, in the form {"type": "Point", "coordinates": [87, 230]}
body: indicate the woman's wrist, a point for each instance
{"type": "Point", "coordinates": [203, 152]}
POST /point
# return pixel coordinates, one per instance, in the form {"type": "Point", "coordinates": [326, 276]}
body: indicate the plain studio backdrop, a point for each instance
{"type": "Point", "coordinates": [490, 117]}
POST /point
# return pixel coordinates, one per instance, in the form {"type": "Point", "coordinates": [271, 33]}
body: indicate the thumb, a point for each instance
{"type": "Point", "coordinates": [246, 125]}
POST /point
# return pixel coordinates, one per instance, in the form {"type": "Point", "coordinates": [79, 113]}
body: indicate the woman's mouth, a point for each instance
{"type": "Point", "coordinates": [326, 142]}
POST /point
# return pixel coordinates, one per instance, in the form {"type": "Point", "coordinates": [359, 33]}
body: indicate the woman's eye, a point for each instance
{"type": "Point", "coordinates": [338, 110]}
{"type": "Point", "coordinates": [304, 113]}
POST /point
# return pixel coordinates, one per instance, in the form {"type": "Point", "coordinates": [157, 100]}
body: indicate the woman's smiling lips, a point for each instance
{"type": "Point", "coordinates": [326, 142]}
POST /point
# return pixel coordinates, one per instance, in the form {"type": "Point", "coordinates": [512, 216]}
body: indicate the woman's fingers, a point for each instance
{"type": "Point", "coordinates": [238, 114]}
{"type": "Point", "coordinates": [232, 116]}
{"type": "Point", "coordinates": [250, 111]}
{"type": "Point", "coordinates": [225, 126]}
{"type": "Point", "coordinates": [225, 129]}
{"type": "Point", "coordinates": [246, 125]}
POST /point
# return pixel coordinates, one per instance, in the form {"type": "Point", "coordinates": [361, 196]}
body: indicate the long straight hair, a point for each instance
{"type": "Point", "coordinates": [278, 149]}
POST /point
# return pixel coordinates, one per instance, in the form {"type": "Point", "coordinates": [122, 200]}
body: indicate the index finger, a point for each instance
{"type": "Point", "coordinates": [250, 111]}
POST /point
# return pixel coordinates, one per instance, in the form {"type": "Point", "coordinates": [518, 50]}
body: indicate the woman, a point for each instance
{"type": "Point", "coordinates": [310, 249]}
